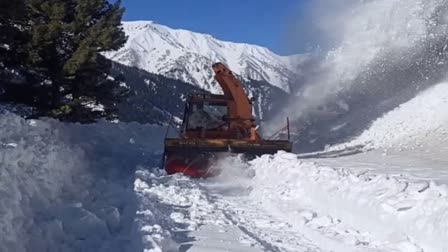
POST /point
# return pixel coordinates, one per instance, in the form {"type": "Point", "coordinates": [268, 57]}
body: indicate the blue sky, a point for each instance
{"type": "Point", "coordinates": [261, 22]}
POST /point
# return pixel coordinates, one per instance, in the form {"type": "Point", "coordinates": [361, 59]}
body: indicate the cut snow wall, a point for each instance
{"type": "Point", "coordinates": [36, 168]}
{"type": "Point", "coordinates": [69, 187]}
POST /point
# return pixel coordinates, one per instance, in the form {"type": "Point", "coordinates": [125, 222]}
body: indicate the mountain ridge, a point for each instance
{"type": "Point", "coordinates": [188, 56]}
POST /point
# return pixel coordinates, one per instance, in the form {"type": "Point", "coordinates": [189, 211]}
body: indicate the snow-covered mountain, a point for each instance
{"type": "Point", "coordinates": [188, 56]}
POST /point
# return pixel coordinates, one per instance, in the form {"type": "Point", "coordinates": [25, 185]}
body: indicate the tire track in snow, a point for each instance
{"type": "Point", "coordinates": [186, 209]}
{"type": "Point", "coordinates": [267, 246]}
{"type": "Point", "coordinates": [284, 225]}
{"type": "Point", "coordinates": [272, 234]}
{"type": "Point", "coordinates": [193, 204]}
{"type": "Point", "coordinates": [276, 241]}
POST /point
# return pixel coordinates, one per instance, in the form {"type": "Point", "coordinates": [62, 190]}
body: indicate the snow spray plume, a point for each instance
{"type": "Point", "coordinates": [232, 167]}
{"type": "Point", "coordinates": [234, 173]}
{"type": "Point", "coordinates": [380, 54]}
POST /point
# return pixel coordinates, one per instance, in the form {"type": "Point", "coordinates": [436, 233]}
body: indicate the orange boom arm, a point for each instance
{"type": "Point", "coordinates": [238, 104]}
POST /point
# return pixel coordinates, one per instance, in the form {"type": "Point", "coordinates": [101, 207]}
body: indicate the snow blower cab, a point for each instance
{"type": "Point", "coordinates": [214, 124]}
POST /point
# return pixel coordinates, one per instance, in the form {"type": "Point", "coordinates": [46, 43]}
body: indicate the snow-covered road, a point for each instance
{"type": "Point", "coordinates": [69, 187]}
{"type": "Point", "coordinates": [283, 203]}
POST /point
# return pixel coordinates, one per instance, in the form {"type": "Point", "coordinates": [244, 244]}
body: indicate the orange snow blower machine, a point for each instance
{"type": "Point", "coordinates": [214, 124]}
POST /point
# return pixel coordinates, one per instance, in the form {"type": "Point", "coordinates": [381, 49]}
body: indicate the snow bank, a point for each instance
{"type": "Point", "coordinates": [69, 187]}
{"type": "Point", "coordinates": [416, 122]}
{"type": "Point", "coordinates": [411, 216]}
{"type": "Point", "coordinates": [36, 166]}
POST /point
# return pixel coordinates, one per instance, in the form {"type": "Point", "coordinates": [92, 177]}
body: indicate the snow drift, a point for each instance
{"type": "Point", "coordinates": [408, 216]}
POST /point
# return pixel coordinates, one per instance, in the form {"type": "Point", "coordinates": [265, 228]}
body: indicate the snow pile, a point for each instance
{"type": "Point", "coordinates": [421, 121]}
{"type": "Point", "coordinates": [407, 216]}
{"type": "Point", "coordinates": [69, 187]}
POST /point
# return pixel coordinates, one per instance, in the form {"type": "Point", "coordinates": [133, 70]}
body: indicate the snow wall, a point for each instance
{"type": "Point", "coordinates": [69, 187]}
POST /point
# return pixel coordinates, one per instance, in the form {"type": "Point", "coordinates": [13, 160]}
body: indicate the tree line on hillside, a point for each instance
{"type": "Point", "coordinates": [153, 98]}
{"type": "Point", "coordinates": [50, 57]}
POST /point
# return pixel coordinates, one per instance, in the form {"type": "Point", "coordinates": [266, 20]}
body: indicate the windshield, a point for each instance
{"type": "Point", "coordinates": [206, 116]}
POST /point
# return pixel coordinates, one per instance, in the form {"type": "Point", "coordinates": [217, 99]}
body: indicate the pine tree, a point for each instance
{"type": "Point", "coordinates": [13, 38]}
{"type": "Point", "coordinates": [47, 51]}
{"type": "Point", "coordinates": [56, 46]}
{"type": "Point", "coordinates": [97, 28]}
{"type": "Point", "coordinates": [66, 39]}
{"type": "Point", "coordinates": [11, 33]}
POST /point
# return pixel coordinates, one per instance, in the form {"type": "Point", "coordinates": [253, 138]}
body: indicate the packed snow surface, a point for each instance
{"type": "Point", "coordinates": [284, 203]}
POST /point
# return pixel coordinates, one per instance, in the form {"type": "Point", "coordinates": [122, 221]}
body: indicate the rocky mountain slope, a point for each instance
{"type": "Point", "coordinates": [155, 98]}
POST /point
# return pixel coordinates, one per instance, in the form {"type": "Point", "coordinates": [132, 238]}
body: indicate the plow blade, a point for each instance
{"type": "Point", "coordinates": [195, 157]}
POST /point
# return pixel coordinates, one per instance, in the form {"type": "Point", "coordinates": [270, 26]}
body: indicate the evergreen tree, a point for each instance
{"type": "Point", "coordinates": [66, 39]}
{"type": "Point", "coordinates": [11, 34]}
{"type": "Point", "coordinates": [13, 37]}
{"type": "Point", "coordinates": [97, 28]}
{"type": "Point", "coordinates": [48, 50]}
{"type": "Point", "coordinates": [56, 46]}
